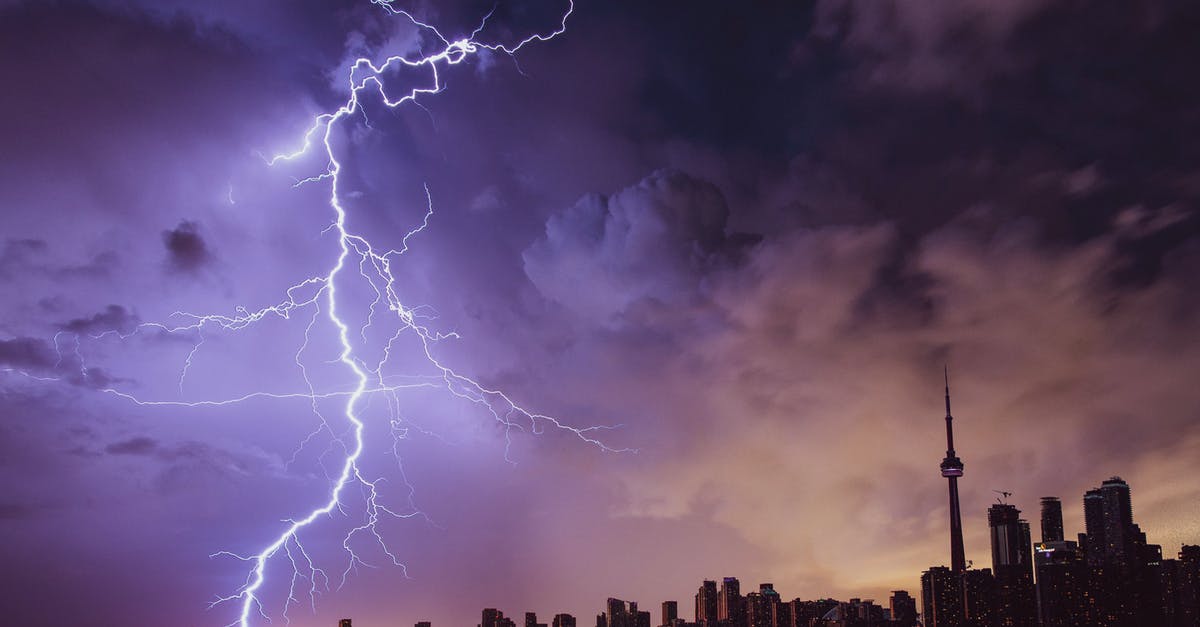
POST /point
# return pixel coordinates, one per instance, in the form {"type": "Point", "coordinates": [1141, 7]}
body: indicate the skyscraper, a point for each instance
{"type": "Point", "coordinates": [706, 604]}
{"type": "Point", "coordinates": [1012, 563]}
{"type": "Point", "coordinates": [670, 612]}
{"type": "Point", "coordinates": [618, 613]}
{"type": "Point", "coordinates": [952, 469]}
{"type": "Point", "coordinates": [942, 597]}
{"type": "Point", "coordinates": [903, 608]}
{"type": "Point", "coordinates": [345, 622]}
{"type": "Point", "coordinates": [1052, 520]}
{"type": "Point", "coordinates": [564, 620]}
{"type": "Point", "coordinates": [729, 602]}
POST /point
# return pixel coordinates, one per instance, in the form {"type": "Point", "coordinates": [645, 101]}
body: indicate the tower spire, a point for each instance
{"type": "Point", "coordinates": [949, 418]}
{"type": "Point", "coordinates": [952, 469]}
{"type": "Point", "coordinates": [946, 374]}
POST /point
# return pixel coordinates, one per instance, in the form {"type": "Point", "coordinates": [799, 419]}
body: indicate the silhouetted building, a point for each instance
{"type": "Point", "coordinates": [729, 603]}
{"type": "Point", "coordinates": [1052, 519]}
{"type": "Point", "coordinates": [423, 623]}
{"type": "Point", "coordinates": [1126, 585]}
{"type": "Point", "coordinates": [345, 622]}
{"type": "Point", "coordinates": [618, 614]}
{"type": "Point", "coordinates": [1187, 586]}
{"type": "Point", "coordinates": [942, 597]}
{"type": "Point", "coordinates": [1012, 564]}
{"type": "Point", "coordinates": [979, 598]}
{"type": "Point", "coordinates": [903, 608]}
{"type": "Point", "coordinates": [806, 612]}
{"type": "Point", "coordinates": [706, 604]}
{"type": "Point", "coordinates": [670, 612]}
{"type": "Point", "coordinates": [564, 620]}
{"type": "Point", "coordinates": [783, 614]}
{"type": "Point", "coordinates": [491, 617]}
{"type": "Point", "coordinates": [1061, 583]}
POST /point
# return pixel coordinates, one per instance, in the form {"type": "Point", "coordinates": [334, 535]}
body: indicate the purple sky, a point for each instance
{"type": "Point", "coordinates": [750, 235]}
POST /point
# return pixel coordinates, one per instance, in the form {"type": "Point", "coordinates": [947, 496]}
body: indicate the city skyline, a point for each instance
{"type": "Point", "coordinates": [1014, 598]}
{"type": "Point", "coordinates": [545, 301]}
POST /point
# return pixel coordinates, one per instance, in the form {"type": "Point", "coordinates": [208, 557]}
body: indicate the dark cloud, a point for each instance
{"type": "Point", "coordinates": [139, 446]}
{"type": "Point", "coordinates": [27, 353]}
{"type": "Point", "coordinates": [113, 318]}
{"type": "Point", "coordinates": [654, 241]}
{"type": "Point", "coordinates": [186, 249]}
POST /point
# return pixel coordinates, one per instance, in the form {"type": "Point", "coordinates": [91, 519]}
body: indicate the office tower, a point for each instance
{"type": "Point", "coordinates": [755, 610]}
{"type": "Point", "coordinates": [530, 619]}
{"type": "Point", "coordinates": [952, 469]}
{"type": "Point", "coordinates": [1093, 520]}
{"type": "Point", "coordinates": [942, 597]}
{"type": "Point", "coordinates": [618, 614]}
{"type": "Point", "coordinates": [1125, 576]}
{"type": "Point", "coordinates": [1061, 582]}
{"type": "Point", "coordinates": [670, 611]}
{"type": "Point", "coordinates": [783, 614]}
{"type": "Point", "coordinates": [979, 598]}
{"type": "Point", "coordinates": [1052, 519]}
{"type": "Point", "coordinates": [903, 608]}
{"type": "Point", "coordinates": [423, 623]}
{"type": "Point", "coordinates": [345, 622]}
{"type": "Point", "coordinates": [1012, 563]}
{"type": "Point", "coordinates": [706, 604]}
{"type": "Point", "coordinates": [768, 601]}
{"type": "Point", "coordinates": [1187, 584]}
{"type": "Point", "coordinates": [564, 620]}
{"type": "Point", "coordinates": [729, 602]}
{"type": "Point", "coordinates": [1118, 519]}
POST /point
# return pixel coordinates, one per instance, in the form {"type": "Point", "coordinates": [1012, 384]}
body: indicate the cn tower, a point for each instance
{"type": "Point", "coordinates": [952, 469]}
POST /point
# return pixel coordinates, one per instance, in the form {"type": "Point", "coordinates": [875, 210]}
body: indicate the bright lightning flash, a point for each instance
{"type": "Point", "coordinates": [357, 259]}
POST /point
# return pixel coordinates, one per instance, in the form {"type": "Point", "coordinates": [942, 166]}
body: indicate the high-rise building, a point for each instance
{"type": "Point", "coordinates": [491, 617]}
{"type": "Point", "coordinates": [783, 614]}
{"type": "Point", "coordinates": [670, 612]}
{"type": "Point", "coordinates": [1187, 584]}
{"type": "Point", "coordinates": [1061, 582]}
{"type": "Point", "coordinates": [729, 602]}
{"type": "Point", "coordinates": [979, 598]}
{"type": "Point", "coordinates": [564, 620]}
{"type": "Point", "coordinates": [903, 608]}
{"type": "Point", "coordinates": [952, 469]}
{"type": "Point", "coordinates": [1052, 519]}
{"type": "Point", "coordinates": [706, 604]}
{"type": "Point", "coordinates": [1012, 563]}
{"type": "Point", "coordinates": [1125, 585]}
{"type": "Point", "coordinates": [423, 623]}
{"type": "Point", "coordinates": [618, 613]}
{"type": "Point", "coordinates": [345, 622]}
{"type": "Point", "coordinates": [531, 619]}
{"type": "Point", "coordinates": [942, 597]}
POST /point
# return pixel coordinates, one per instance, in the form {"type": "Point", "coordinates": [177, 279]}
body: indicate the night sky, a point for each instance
{"type": "Point", "coordinates": [749, 233]}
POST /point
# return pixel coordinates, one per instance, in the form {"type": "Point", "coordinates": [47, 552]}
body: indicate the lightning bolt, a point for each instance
{"type": "Point", "coordinates": [357, 259]}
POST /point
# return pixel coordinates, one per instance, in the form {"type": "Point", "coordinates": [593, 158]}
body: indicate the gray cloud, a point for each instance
{"type": "Point", "coordinates": [113, 318]}
{"type": "Point", "coordinates": [186, 249]}
{"type": "Point", "coordinates": [651, 243]}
